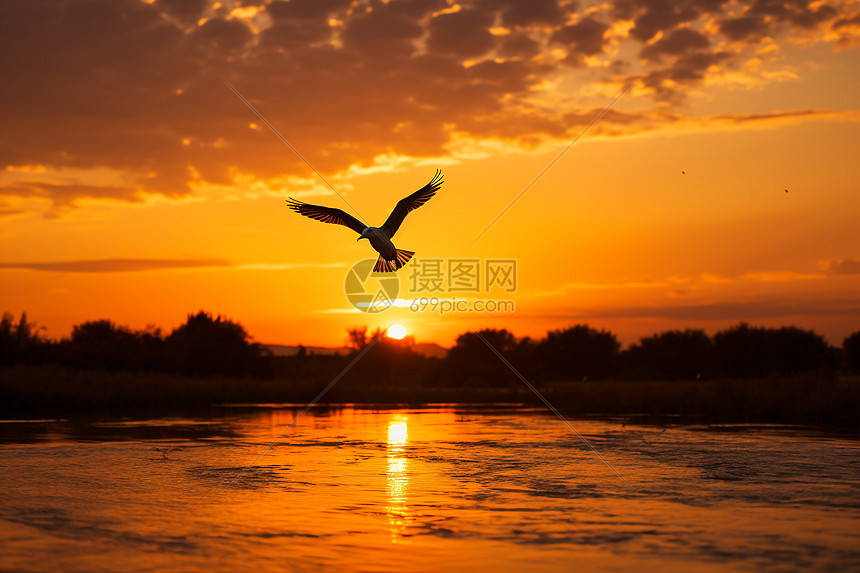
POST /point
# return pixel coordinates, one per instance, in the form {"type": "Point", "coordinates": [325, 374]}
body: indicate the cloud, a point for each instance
{"type": "Point", "coordinates": [686, 69]}
{"type": "Point", "coordinates": [463, 34]}
{"type": "Point", "coordinates": [677, 42]}
{"type": "Point", "coordinates": [136, 87]}
{"type": "Point", "coordinates": [780, 276]}
{"type": "Point", "coordinates": [343, 310]}
{"type": "Point", "coordinates": [743, 28]}
{"type": "Point", "coordinates": [585, 38]}
{"type": "Point", "coordinates": [681, 285]}
{"type": "Point", "coordinates": [9, 212]}
{"type": "Point", "coordinates": [146, 265]}
{"type": "Point", "coordinates": [116, 265]}
{"type": "Point", "coordinates": [842, 267]}
{"type": "Point", "coordinates": [747, 310]}
{"type": "Point", "coordinates": [651, 17]}
{"type": "Point", "coordinates": [759, 120]}
{"type": "Point", "coordinates": [287, 266]}
{"type": "Point", "coordinates": [516, 13]}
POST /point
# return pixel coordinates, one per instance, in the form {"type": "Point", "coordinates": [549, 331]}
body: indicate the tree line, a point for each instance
{"type": "Point", "coordinates": [495, 357]}
{"type": "Point", "coordinates": [584, 353]}
{"type": "Point", "coordinates": [206, 346]}
{"type": "Point", "coordinates": [203, 346]}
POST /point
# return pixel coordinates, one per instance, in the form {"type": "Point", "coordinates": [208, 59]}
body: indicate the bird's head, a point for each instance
{"type": "Point", "coordinates": [365, 234]}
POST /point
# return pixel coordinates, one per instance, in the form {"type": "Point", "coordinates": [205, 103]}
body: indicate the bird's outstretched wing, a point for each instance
{"type": "Point", "coordinates": [326, 214]}
{"type": "Point", "coordinates": [412, 202]}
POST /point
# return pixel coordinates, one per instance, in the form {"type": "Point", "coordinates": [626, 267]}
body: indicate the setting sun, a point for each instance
{"type": "Point", "coordinates": [397, 433]}
{"type": "Point", "coordinates": [396, 331]}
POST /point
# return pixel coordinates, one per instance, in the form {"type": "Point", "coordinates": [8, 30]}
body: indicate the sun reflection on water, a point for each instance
{"type": "Point", "coordinates": [399, 516]}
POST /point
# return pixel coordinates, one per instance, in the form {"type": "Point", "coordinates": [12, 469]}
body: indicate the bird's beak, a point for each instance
{"type": "Point", "coordinates": [358, 239]}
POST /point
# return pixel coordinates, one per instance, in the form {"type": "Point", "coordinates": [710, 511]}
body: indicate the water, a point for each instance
{"type": "Point", "coordinates": [430, 489]}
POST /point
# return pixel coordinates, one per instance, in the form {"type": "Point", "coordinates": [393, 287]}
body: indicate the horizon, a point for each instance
{"type": "Point", "coordinates": [345, 343]}
{"type": "Point", "coordinates": [721, 188]}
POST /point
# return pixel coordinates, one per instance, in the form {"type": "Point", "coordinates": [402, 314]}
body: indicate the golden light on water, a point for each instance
{"type": "Point", "coordinates": [397, 434]}
{"type": "Point", "coordinates": [398, 479]}
{"type": "Point", "coordinates": [396, 331]}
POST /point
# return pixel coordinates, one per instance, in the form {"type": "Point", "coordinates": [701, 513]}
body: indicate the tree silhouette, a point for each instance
{"type": "Point", "coordinates": [205, 346]}
{"type": "Point", "coordinates": [524, 357]}
{"type": "Point", "coordinates": [19, 342]}
{"type": "Point", "coordinates": [579, 352]}
{"type": "Point", "coordinates": [671, 355]}
{"type": "Point", "coordinates": [471, 361]}
{"type": "Point", "coordinates": [388, 362]}
{"type": "Point", "coordinates": [746, 352]}
{"type": "Point", "coordinates": [851, 352]}
{"type": "Point", "coordinates": [102, 345]}
{"type": "Point", "coordinates": [357, 337]}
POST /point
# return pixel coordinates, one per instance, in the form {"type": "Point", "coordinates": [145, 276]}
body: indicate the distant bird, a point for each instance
{"type": "Point", "coordinates": [786, 190]}
{"type": "Point", "coordinates": [165, 451]}
{"type": "Point", "coordinates": [683, 172]}
{"type": "Point", "coordinates": [390, 258]}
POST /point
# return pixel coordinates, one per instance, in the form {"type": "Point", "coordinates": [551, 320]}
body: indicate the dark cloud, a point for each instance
{"type": "Point", "coordinates": [224, 36]}
{"type": "Point", "coordinates": [516, 13]}
{"type": "Point", "coordinates": [799, 12]}
{"type": "Point", "coordinates": [117, 265]}
{"type": "Point", "coordinates": [653, 16]}
{"type": "Point", "coordinates": [585, 38]}
{"type": "Point", "coordinates": [518, 45]}
{"type": "Point", "coordinates": [686, 69]}
{"type": "Point", "coordinates": [294, 34]}
{"type": "Point", "coordinates": [463, 34]}
{"type": "Point", "coordinates": [189, 11]}
{"type": "Point", "coordinates": [770, 116]}
{"type": "Point", "coordinates": [388, 30]}
{"type": "Point", "coordinates": [743, 28]}
{"type": "Point", "coordinates": [137, 88]}
{"type": "Point", "coordinates": [305, 9]}
{"type": "Point", "coordinates": [681, 41]}
{"type": "Point", "coordinates": [846, 21]}
{"type": "Point", "coordinates": [64, 195]}
{"type": "Point", "coordinates": [731, 311]}
{"type": "Point", "coordinates": [844, 267]}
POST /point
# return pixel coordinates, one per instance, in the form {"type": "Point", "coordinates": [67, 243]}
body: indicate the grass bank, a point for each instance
{"type": "Point", "coordinates": [807, 400]}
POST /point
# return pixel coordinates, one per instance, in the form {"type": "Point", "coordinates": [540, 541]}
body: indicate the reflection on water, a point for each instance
{"type": "Point", "coordinates": [398, 477]}
{"type": "Point", "coordinates": [420, 490]}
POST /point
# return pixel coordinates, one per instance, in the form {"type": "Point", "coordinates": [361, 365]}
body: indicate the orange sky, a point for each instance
{"type": "Point", "coordinates": [136, 186]}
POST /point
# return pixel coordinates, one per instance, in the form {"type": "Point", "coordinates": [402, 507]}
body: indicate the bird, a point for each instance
{"type": "Point", "coordinates": [683, 172]}
{"type": "Point", "coordinates": [165, 451]}
{"type": "Point", "coordinates": [390, 258]}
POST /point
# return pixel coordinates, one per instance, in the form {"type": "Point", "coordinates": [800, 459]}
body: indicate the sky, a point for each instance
{"type": "Point", "coordinates": [721, 187]}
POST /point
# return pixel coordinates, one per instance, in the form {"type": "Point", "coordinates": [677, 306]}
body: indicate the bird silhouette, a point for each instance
{"type": "Point", "coordinates": [390, 258]}
{"type": "Point", "coordinates": [165, 451]}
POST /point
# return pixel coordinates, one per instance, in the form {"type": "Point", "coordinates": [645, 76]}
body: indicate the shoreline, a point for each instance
{"type": "Point", "coordinates": [47, 392]}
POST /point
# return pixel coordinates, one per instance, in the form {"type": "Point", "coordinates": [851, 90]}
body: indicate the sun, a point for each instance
{"type": "Point", "coordinates": [396, 331]}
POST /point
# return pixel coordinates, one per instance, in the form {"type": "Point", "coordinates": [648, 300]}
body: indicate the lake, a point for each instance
{"type": "Point", "coordinates": [436, 488]}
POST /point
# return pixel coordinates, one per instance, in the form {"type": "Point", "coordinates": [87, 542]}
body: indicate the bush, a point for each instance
{"type": "Point", "coordinates": [851, 352]}
{"type": "Point", "coordinates": [748, 352]}
{"type": "Point", "coordinates": [671, 355]}
{"type": "Point", "coordinates": [579, 352]}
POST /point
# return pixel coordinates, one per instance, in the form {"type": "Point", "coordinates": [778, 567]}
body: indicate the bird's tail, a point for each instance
{"type": "Point", "coordinates": [384, 266]}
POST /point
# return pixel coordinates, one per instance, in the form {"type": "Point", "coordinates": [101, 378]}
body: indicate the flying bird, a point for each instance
{"type": "Point", "coordinates": [390, 258]}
